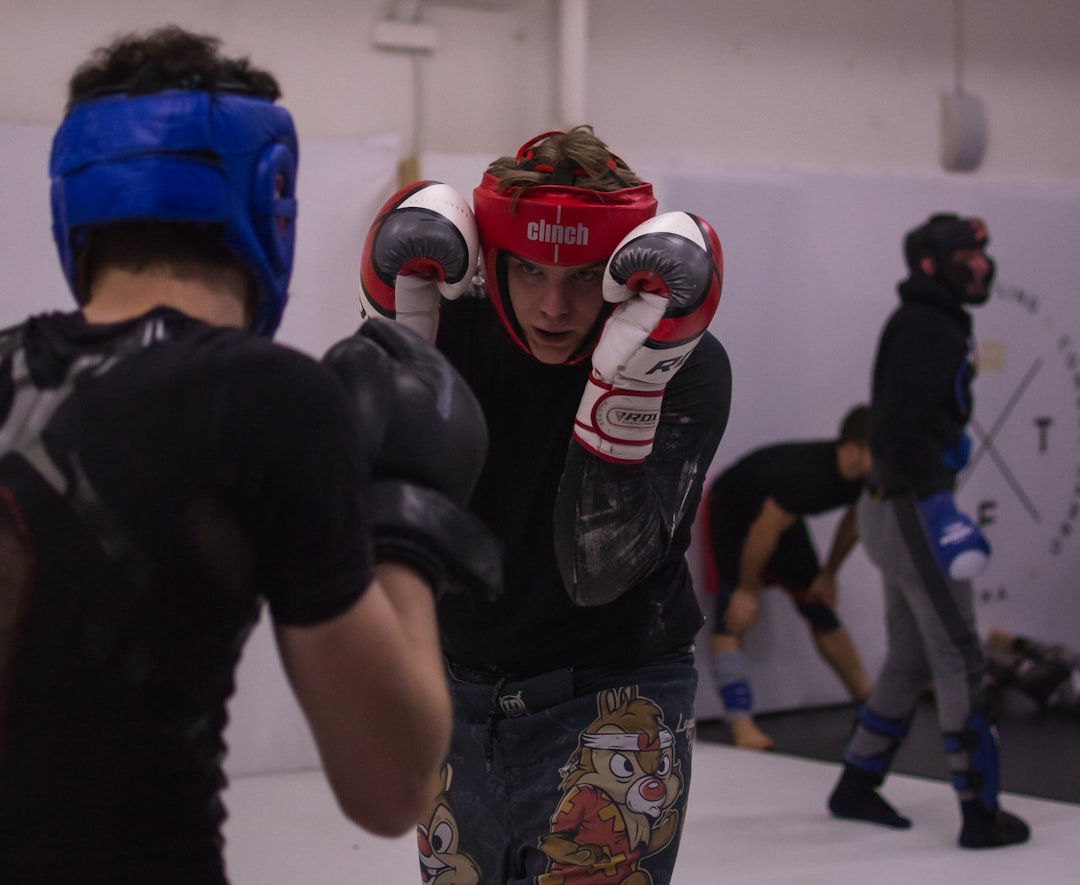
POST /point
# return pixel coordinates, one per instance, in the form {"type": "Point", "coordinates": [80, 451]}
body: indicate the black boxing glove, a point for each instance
{"type": "Point", "coordinates": [427, 441]}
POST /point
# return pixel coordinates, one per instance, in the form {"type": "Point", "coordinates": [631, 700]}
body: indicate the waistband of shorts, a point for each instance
{"type": "Point", "coordinates": [519, 695]}
{"type": "Point", "coordinates": [510, 696]}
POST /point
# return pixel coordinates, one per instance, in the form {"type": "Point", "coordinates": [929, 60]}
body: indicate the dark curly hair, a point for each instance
{"type": "Point", "coordinates": [168, 57]}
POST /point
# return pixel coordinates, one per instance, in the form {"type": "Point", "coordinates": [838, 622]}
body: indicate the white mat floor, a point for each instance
{"type": "Point", "coordinates": [753, 818]}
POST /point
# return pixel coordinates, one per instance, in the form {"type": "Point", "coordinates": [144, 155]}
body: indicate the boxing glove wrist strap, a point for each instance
{"type": "Point", "coordinates": [618, 423]}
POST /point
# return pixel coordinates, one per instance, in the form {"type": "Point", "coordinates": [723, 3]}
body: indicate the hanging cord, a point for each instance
{"type": "Point", "coordinates": [418, 107]}
{"type": "Point", "coordinates": [411, 12]}
{"type": "Point", "coordinates": [958, 45]}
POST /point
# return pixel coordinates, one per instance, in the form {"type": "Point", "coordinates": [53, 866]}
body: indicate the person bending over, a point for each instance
{"type": "Point", "coordinates": [756, 536]}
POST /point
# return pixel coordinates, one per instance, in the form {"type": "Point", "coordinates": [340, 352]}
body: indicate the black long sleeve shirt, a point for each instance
{"type": "Point", "coordinates": [620, 532]}
{"type": "Point", "coordinates": [921, 395]}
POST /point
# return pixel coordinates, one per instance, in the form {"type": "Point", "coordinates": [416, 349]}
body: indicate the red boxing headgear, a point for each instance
{"type": "Point", "coordinates": [551, 224]}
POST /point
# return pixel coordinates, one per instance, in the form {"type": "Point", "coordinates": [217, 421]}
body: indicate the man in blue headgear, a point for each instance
{"type": "Point", "coordinates": [927, 550]}
{"type": "Point", "coordinates": [164, 471]}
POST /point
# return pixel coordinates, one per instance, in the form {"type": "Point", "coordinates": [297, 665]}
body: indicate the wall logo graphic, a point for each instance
{"type": "Point", "coordinates": [1022, 481]}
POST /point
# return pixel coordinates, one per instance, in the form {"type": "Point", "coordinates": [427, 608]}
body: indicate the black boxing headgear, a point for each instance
{"type": "Point", "coordinates": [939, 238]}
{"type": "Point", "coordinates": [554, 223]}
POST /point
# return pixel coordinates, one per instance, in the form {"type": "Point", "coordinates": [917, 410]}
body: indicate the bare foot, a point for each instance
{"type": "Point", "coordinates": [747, 735]}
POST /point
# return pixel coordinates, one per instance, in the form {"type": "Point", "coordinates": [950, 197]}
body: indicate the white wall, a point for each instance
{"type": "Point", "coordinates": [824, 84]}
{"type": "Point", "coordinates": [806, 130]}
{"type": "Point", "coordinates": [835, 84]}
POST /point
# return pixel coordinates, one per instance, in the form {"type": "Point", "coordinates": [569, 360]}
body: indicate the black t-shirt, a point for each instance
{"type": "Point", "coordinates": [630, 522]}
{"type": "Point", "coordinates": [802, 477]}
{"type": "Point", "coordinates": [159, 479]}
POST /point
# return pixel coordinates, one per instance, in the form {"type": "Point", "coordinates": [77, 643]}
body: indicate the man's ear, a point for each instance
{"type": "Point", "coordinates": [926, 265]}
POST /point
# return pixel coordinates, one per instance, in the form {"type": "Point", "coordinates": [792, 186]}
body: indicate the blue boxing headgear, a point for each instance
{"type": "Point", "coordinates": [182, 156]}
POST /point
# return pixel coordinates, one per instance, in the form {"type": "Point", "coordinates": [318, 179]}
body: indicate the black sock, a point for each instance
{"type": "Point", "coordinates": [855, 798]}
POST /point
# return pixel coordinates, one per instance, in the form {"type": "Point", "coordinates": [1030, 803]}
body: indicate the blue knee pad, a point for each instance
{"type": "Point", "coordinates": [732, 679]}
{"type": "Point", "coordinates": [981, 779]}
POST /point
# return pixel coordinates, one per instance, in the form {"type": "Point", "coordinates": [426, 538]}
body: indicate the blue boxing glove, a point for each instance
{"type": "Point", "coordinates": [959, 544]}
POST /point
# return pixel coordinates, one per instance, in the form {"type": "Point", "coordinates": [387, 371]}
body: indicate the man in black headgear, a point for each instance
{"type": "Point", "coordinates": [926, 549]}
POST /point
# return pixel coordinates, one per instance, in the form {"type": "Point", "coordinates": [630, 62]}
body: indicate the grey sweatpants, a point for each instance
{"type": "Point", "coordinates": [930, 624]}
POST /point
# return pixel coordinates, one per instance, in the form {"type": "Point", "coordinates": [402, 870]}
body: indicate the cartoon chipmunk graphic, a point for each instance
{"type": "Point", "coordinates": [619, 788]}
{"type": "Point", "coordinates": [441, 860]}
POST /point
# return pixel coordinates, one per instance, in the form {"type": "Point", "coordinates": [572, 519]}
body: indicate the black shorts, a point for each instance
{"type": "Point", "coordinates": [793, 567]}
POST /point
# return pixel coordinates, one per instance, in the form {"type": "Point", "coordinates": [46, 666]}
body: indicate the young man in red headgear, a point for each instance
{"type": "Point", "coordinates": [585, 339]}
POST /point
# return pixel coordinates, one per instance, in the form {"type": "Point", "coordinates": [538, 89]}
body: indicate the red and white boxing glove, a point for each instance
{"type": "Point", "coordinates": [423, 246]}
{"type": "Point", "coordinates": [666, 277]}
